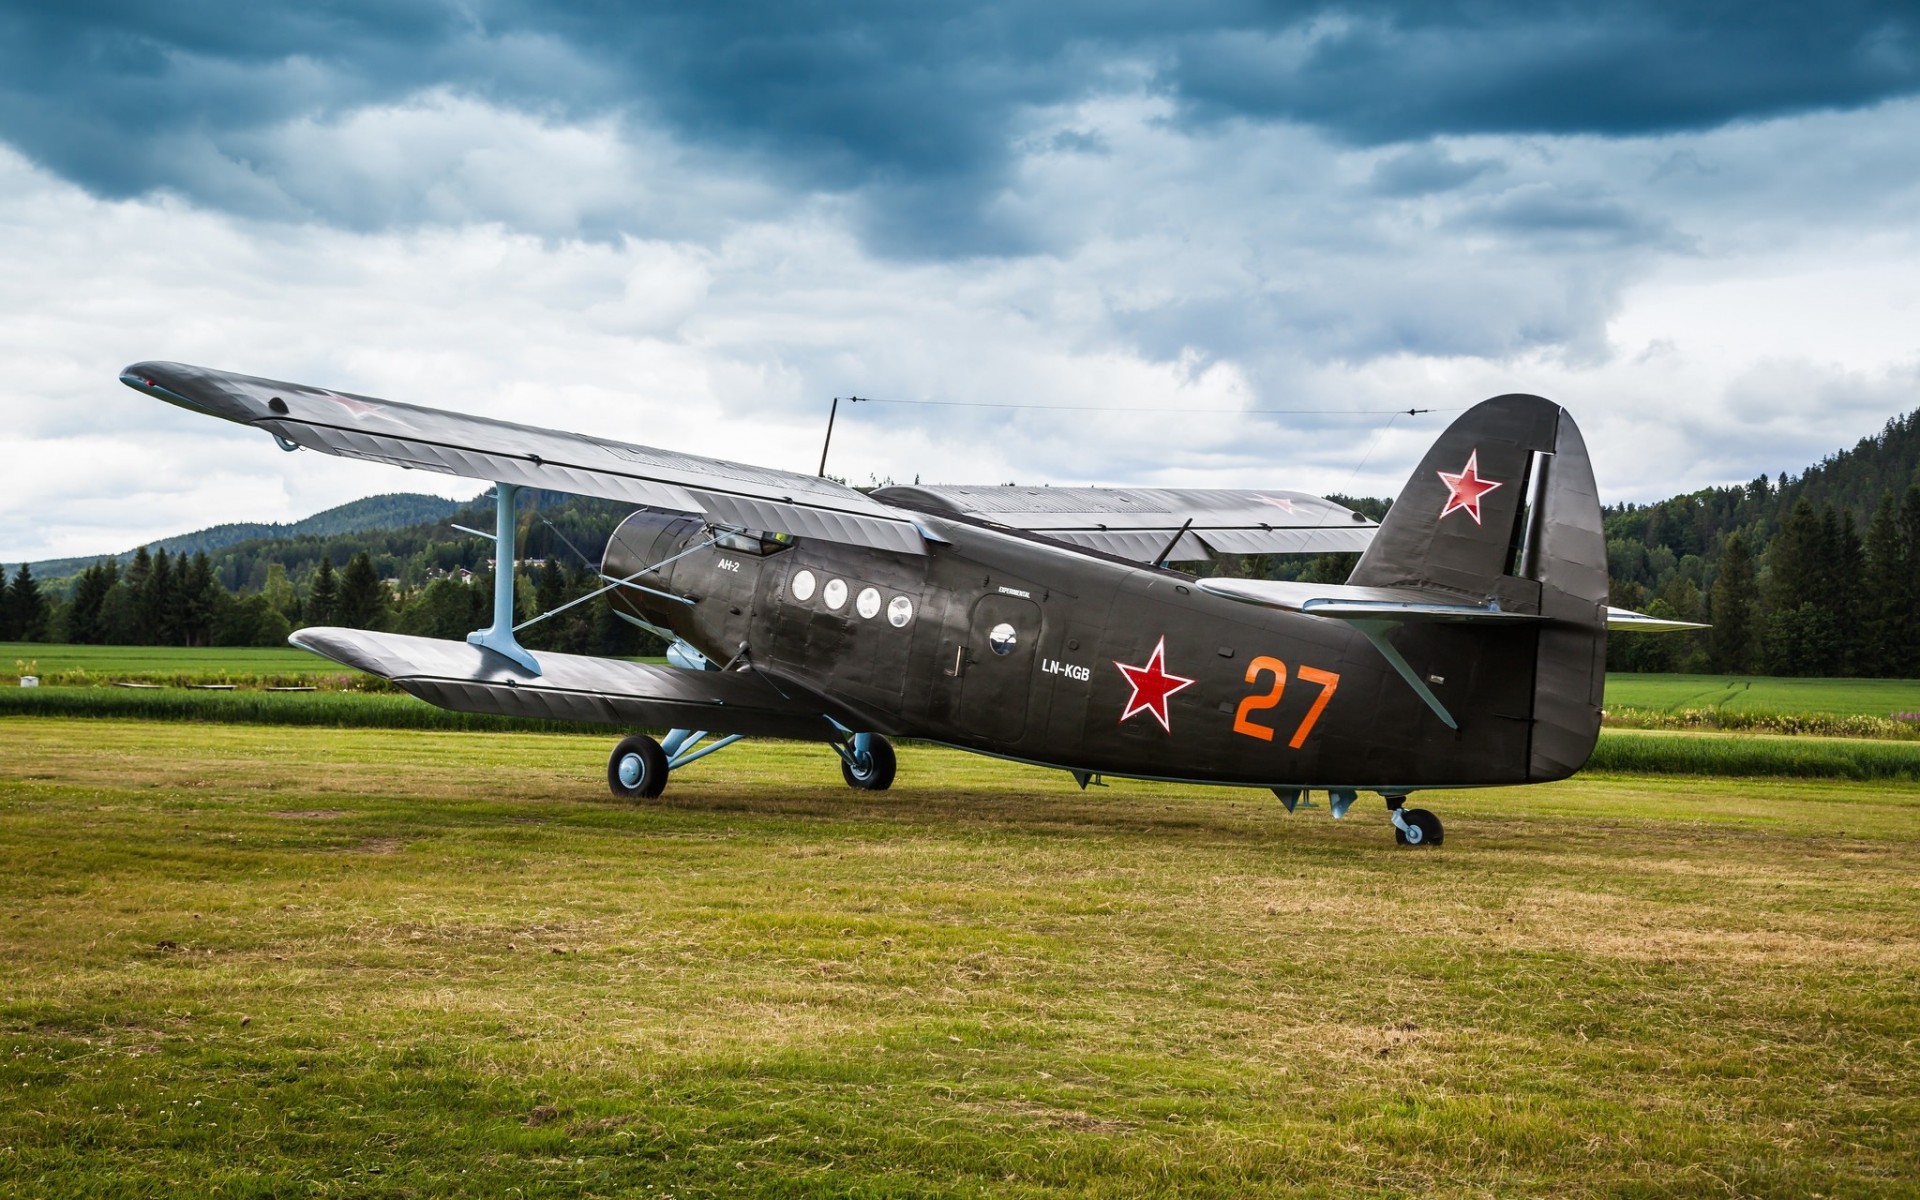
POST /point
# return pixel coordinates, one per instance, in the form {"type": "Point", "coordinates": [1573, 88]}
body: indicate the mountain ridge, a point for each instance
{"type": "Point", "coordinates": [388, 510]}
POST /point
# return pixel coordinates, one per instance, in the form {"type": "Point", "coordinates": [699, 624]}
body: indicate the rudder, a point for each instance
{"type": "Point", "coordinates": [1504, 509]}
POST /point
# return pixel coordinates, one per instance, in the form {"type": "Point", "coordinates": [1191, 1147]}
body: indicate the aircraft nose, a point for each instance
{"type": "Point", "coordinates": [644, 539]}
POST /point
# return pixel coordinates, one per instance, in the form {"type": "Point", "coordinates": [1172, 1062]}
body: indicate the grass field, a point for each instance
{"type": "Point", "coordinates": [1839, 697]}
{"type": "Point", "coordinates": [1647, 752]}
{"type": "Point", "coordinates": [139, 662]}
{"type": "Point", "coordinates": [279, 961]}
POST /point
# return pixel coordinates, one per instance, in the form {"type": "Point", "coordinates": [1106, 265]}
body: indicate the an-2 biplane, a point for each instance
{"type": "Point", "coordinates": [1044, 625]}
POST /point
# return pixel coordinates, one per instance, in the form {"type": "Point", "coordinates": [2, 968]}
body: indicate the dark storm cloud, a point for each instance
{"type": "Point", "coordinates": [919, 110]}
{"type": "Point", "coordinates": [1396, 72]}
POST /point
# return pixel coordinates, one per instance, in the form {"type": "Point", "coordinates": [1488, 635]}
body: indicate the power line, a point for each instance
{"type": "Point", "coordinates": [1264, 412]}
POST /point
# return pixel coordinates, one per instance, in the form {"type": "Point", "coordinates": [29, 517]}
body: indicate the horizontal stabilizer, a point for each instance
{"type": "Point", "coordinates": [407, 435]}
{"type": "Point", "coordinates": [1346, 602]}
{"type": "Point", "coordinates": [1625, 620]}
{"type": "Point", "coordinates": [1155, 524]}
{"type": "Point", "coordinates": [573, 687]}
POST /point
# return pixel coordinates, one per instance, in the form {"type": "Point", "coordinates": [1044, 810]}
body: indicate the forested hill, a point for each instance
{"type": "Point", "coordinates": [1649, 544]}
{"type": "Point", "coordinates": [1811, 575]}
{"type": "Point", "coordinates": [393, 511]}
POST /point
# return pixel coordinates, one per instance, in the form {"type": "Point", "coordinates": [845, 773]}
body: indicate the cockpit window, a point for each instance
{"type": "Point", "coordinates": [752, 541]}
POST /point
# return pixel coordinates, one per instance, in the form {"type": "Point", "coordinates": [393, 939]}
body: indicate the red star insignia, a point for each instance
{"type": "Point", "coordinates": [359, 408]}
{"type": "Point", "coordinates": [1152, 686]}
{"type": "Point", "coordinates": [1465, 489]}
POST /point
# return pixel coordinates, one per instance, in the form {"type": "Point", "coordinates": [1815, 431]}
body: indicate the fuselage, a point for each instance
{"type": "Point", "coordinates": [1009, 645]}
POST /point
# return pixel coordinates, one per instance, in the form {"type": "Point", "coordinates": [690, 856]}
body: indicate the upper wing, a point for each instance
{"type": "Point", "coordinates": [407, 435]}
{"type": "Point", "coordinates": [573, 687]}
{"type": "Point", "coordinates": [1140, 523]}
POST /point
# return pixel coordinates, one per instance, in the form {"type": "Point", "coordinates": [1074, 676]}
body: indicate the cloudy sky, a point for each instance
{"type": "Point", "coordinates": [1221, 238]}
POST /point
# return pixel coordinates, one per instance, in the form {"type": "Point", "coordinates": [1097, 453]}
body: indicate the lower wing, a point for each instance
{"type": "Point", "coordinates": [573, 687]}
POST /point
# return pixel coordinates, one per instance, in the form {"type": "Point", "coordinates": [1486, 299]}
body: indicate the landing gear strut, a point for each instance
{"type": "Point", "coordinates": [1414, 826]}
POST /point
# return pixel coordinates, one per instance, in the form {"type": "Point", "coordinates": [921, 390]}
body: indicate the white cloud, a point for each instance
{"type": "Point", "coordinates": [1674, 292]}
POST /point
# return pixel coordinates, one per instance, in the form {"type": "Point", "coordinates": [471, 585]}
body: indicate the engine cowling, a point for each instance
{"type": "Point", "coordinates": [644, 539]}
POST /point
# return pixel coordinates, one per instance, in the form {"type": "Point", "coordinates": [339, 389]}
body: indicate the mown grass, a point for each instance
{"type": "Point", "coordinates": [1626, 750]}
{"type": "Point", "coordinates": [337, 709]}
{"type": "Point", "coordinates": [276, 961]}
{"type": "Point", "coordinates": [1728, 693]}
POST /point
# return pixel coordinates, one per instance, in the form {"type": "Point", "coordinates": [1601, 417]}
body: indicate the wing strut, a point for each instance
{"type": "Point", "coordinates": [499, 636]}
{"type": "Point", "coordinates": [1376, 632]}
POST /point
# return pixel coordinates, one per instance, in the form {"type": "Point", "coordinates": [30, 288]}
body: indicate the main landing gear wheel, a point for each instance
{"type": "Point", "coordinates": [869, 765]}
{"type": "Point", "coordinates": [637, 769]}
{"type": "Point", "coordinates": [1422, 828]}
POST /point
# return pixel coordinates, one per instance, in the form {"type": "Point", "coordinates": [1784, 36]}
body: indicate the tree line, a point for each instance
{"type": "Point", "coordinates": [1823, 600]}
{"type": "Point", "coordinates": [1815, 575]}
{"type": "Point", "coordinates": [161, 599]}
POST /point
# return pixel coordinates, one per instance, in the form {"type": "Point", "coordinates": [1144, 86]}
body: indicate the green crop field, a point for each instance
{"type": "Point", "coordinates": [1838, 697]}
{"type": "Point", "coordinates": [144, 662]}
{"type": "Point", "coordinates": [270, 961]}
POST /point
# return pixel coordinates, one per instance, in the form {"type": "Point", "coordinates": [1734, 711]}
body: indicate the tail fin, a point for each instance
{"type": "Point", "coordinates": [1504, 509]}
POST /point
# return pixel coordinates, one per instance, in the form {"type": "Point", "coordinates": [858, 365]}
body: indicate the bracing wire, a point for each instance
{"type": "Point", "coordinates": [1166, 408]}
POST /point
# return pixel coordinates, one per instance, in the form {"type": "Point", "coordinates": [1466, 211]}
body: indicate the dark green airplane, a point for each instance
{"type": "Point", "coordinates": [1043, 625]}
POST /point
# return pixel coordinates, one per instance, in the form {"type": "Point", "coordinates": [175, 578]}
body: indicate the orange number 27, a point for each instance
{"type": "Point", "coordinates": [1243, 720]}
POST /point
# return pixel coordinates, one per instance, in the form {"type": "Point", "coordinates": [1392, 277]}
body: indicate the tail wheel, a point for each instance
{"type": "Point", "coordinates": [637, 769]}
{"type": "Point", "coordinates": [1423, 828]}
{"type": "Point", "coordinates": [870, 764]}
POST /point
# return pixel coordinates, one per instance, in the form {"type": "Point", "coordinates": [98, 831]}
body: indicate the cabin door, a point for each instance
{"type": "Point", "coordinates": [997, 667]}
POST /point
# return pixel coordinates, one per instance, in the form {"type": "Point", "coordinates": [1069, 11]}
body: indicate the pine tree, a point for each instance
{"type": "Point", "coordinates": [84, 624]}
{"type": "Point", "coordinates": [1730, 641]}
{"type": "Point", "coordinates": [550, 590]}
{"type": "Point", "coordinates": [363, 597]}
{"type": "Point", "coordinates": [1846, 575]}
{"type": "Point", "coordinates": [26, 608]}
{"type": "Point", "coordinates": [9, 626]}
{"type": "Point", "coordinates": [1795, 560]}
{"type": "Point", "coordinates": [1907, 660]}
{"type": "Point", "coordinates": [1801, 637]}
{"type": "Point", "coordinates": [323, 598]}
{"type": "Point", "coordinates": [1887, 600]}
{"type": "Point", "coordinates": [199, 596]}
{"type": "Point", "coordinates": [154, 602]}
{"type": "Point", "coordinates": [549, 593]}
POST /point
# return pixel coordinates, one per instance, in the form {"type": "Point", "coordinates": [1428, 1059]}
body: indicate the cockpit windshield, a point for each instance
{"type": "Point", "coordinates": [752, 541]}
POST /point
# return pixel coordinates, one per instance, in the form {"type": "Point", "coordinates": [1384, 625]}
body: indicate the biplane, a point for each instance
{"type": "Point", "coordinates": [1062, 627]}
